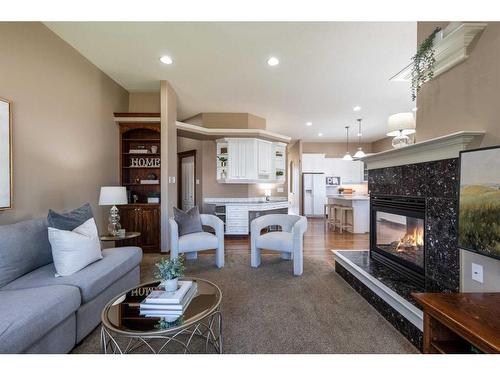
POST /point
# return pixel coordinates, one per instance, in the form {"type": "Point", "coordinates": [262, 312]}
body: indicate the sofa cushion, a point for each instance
{"type": "Point", "coordinates": [24, 246]}
{"type": "Point", "coordinates": [91, 280]}
{"type": "Point", "coordinates": [71, 219]}
{"type": "Point", "coordinates": [197, 241]}
{"type": "Point", "coordinates": [26, 315]}
{"type": "Point", "coordinates": [73, 250]}
{"type": "Point", "coordinates": [189, 221]}
{"type": "Point", "coordinates": [281, 241]}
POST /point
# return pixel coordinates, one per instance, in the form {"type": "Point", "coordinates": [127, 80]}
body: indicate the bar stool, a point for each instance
{"type": "Point", "coordinates": [344, 224]}
{"type": "Point", "coordinates": [330, 215]}
{"type": "Point", "coordinates": [337, 215]}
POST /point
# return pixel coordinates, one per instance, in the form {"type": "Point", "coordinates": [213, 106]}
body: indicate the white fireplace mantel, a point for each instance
{"type": "Point", "coordinates": [445, 147]}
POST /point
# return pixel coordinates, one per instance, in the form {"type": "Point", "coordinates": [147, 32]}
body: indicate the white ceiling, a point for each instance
{"type": "Point", "coordinates": [325, 68]}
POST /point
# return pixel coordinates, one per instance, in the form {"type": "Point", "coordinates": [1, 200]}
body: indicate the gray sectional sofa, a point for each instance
{"type": "Point", "coordinates": [40, 313]}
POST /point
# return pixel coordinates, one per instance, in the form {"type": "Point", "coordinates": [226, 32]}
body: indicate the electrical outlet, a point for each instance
{"type": "Point", "coordinates": [197, 181]}
{"type": "Point", "coordinates": [280, 190]}
{"type": "Point", "coordinates": [477, 272]}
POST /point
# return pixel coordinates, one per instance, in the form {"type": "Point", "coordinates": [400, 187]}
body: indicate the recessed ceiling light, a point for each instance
{"type": "Point", "coordinates": [415, 109]}
{"type": "Point", "coordinates": [166, 60]}
{"type": "Point", "coordinates": [309, 123]}
{"type": "Point", "coordinates": [273, 61]}
{"type": "Point", "coordinates": [320, 134]}
{"type": "Point", "coordinates": [356, 109]}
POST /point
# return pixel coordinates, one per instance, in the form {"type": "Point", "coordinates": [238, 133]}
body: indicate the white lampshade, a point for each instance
{"type": "Point", "coordinates": [360, 153]}
{"type": "Point", "coordinates": [347, 156]}
{"type": "Point", "coordinates": [401, 123]}
{"type": "Point", "coordinates": [113, 195]}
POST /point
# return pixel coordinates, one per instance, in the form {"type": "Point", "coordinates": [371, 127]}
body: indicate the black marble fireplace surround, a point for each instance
{"type": "Point", "coordinates": [437, 183]}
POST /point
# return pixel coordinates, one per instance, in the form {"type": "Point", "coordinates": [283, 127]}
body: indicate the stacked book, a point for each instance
{"type": "Point", "coordinates": [169, 305]}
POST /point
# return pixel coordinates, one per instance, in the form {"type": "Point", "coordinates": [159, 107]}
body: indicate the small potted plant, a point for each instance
{"type": "Point", "coordinates": [279, 173]}
{"type": "Point", "coordinates": [169, 271]}
{"type": "Point", "coordinates": [222, 160]}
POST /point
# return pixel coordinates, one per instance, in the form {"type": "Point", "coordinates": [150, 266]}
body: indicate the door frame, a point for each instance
{"type": "Point", "coordinates": [180, 156]}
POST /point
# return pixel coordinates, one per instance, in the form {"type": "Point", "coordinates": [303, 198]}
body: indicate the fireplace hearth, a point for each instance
{"type": "Point", "coordinates": [397, 235]}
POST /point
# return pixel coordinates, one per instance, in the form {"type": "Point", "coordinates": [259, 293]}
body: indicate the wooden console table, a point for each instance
{"type": "Point", "coordinates": [460, 322]}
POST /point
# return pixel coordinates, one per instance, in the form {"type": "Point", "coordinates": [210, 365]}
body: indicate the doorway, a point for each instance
{"type": "Point", "coordinates": [187, 185]}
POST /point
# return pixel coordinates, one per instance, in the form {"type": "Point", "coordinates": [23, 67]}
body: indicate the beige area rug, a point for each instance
{"type": "Point", "coordinates": [268, 310]}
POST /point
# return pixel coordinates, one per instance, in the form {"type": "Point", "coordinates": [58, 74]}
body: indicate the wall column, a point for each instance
{"type": "Point", "coordinates": [168, 118]}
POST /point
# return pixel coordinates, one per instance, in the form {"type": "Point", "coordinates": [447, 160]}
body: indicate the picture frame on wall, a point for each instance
{"type": "Point", "coordinates": [479, 201]}
{"type": "Point", "coordinates": [5, 154]}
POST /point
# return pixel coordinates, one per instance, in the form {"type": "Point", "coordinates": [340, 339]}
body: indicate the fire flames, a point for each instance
{"type": "Point", "coordinates": [413, 240]}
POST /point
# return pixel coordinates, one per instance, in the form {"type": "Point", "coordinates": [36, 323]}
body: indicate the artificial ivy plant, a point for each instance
{"type": "Point", "coordinates": [423, 64]}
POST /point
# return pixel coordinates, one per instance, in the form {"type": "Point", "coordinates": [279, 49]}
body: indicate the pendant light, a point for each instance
{"type": "Point", "coordinates": [347, 155]}
{"type": "Point", "coordinates": [360, 153]}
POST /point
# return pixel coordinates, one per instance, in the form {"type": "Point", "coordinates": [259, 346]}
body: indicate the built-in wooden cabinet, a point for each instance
{"type": "Point", "coordinates": [250, 160]}
{"type": "Point", "coordinates": [140, 161]}
{"type": "Point", "coordinates": [143, 218]}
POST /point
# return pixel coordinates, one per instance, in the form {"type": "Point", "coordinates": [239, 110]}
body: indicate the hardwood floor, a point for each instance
{"type": "Point", "coordinates": [318, 240]}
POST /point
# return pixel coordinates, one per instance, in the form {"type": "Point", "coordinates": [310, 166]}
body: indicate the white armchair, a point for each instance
{"type": "Point", "coordinates": [289, 241]}
{"type": "Point", "coordinates": [193, 242]}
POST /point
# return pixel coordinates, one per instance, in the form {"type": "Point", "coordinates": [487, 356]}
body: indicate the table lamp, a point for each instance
{"type": "Point", "coordinates": [112, 196]}
{"type": "Point", "coordinates": [400, 125]}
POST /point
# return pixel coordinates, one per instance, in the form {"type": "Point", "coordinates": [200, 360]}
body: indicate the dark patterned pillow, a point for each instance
{"type": "Point", "coordinates": [70, 220]}
{"type": "Point", "coordinates": [188, 222]}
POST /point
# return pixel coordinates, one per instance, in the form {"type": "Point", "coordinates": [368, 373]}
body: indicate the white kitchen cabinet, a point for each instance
{"type": "Point", "coordinates": [265, 159]}
{"type": "Point", "coordinates": [350, 172]}
{"type": "Point", "coordinates": [251, 160]}
{"type": "Point", "coordinates": [242, 158]}
{"type": "Point", "coordinates": [313, 163]}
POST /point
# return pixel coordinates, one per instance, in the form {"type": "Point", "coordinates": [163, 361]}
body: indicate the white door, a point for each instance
{"type": "Point", "coordinates": [187, 192]}
{"type": "Point", "coordinates": [248, 158]}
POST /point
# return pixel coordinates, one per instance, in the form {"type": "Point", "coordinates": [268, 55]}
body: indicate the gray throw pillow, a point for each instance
{"type": "Point", "coordinates": [70, 220]}
{"type": "Point", "coordinates": [188, 222]}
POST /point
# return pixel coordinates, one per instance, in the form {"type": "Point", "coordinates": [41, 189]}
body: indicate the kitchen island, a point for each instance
{"type": "Point", "coordinates": [360, 210]}
{"type": "Point", "coordinates": [237, 213]}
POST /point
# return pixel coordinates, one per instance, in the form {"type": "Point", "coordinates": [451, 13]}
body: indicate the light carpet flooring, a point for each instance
{"type": "Point", "coordinates": [268, 310]}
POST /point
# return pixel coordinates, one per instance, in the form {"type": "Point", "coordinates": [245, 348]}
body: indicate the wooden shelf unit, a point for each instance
{"type": "Point", "coordinates": [140, 216]}
{"type": "Point", "coordinates": [460, 323]}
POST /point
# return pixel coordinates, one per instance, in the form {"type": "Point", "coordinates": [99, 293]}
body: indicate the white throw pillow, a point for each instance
{"type": "Point", "coordinates": [76, 249]}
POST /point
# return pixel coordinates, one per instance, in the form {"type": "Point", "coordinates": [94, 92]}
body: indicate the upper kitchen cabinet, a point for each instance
{"type": "Point", "coordinates": [350, 172]}
{"type": "Point", "coordinates": [250, 160]}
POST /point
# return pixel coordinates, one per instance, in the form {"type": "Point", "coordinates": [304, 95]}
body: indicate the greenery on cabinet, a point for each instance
{"type": "Point", "coordinates": [222, 160]}
{"type": "Point", "coordinates": [423, 64]}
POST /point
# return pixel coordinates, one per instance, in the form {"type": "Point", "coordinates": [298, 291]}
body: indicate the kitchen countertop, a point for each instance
{"type": "Point", "coordinates": [240, 201]}
{"type": "Point", "coordinates": [348, 197]}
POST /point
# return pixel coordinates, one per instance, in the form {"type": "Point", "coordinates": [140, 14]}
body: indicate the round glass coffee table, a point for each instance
{"type": "Point", "coordinates": [199, 329]}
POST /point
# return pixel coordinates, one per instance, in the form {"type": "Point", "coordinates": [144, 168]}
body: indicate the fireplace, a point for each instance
{"type": "Point", "coordinates": [397, 234]}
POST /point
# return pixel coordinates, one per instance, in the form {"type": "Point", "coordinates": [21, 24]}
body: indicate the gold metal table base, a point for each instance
{"type": "Point", "coordinates": [208, 329]}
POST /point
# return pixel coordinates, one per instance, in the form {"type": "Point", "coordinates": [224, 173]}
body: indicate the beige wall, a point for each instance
{"type": "Point", "coordinates": [65, 143]}
{"type": "Point", "coordinates": [333, 149]}
{"type": "Point", "coordinates": [466, 98]}
{"type": "Point", "coordinates": [383, 144]}
{"type": "Point", "coordinates": [227, 120]}
{"type": "Point", "coordinates": [146, 102]}
{"type": "Point", "coordinates": [295, 154]}
{"type": "Point", "coordinates": [168, 100]}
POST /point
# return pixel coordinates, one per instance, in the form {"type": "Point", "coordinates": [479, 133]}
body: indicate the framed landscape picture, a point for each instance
{"type": "Point", "coordinates": [479, 203]}
{"type": "Point", "coordinates": [5, 155]}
